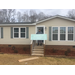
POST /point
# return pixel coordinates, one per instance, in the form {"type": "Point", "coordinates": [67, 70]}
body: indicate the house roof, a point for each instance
{"type": "Point", "coordinates": [34, 23]}
{"type": "Point", "coordinates": [56, 16]}
{"type": "Point", "coordinates": [17, 23]}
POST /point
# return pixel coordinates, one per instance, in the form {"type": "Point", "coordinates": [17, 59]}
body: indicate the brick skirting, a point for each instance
{"type": "Point", "coordinates": [19, 49]}
{"type": "Point", "coordinates": [59, 50]}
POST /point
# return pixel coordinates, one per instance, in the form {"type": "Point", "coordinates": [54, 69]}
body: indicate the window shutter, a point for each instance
{"type": "Point", "coordinates": [11, 32]}
{"type": "Point", "coordinates": [27, 32]}
{"type": "Point", "coordinates": [1, 32]}
{"type": "Point", "coordinates": [74, 33]}
{"type": "Point", "coordinates": [50, 29]}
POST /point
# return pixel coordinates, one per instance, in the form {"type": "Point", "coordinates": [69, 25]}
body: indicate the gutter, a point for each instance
{"type": "Point", "coordinates": [18, 24]}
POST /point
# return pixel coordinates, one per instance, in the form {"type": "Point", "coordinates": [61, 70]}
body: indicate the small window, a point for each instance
{"type": "Point", "coordinates": [22, 32]}
{"type": "Point", "coordinates": [9, 45]}
{"type": "Point", "coordinates": [55, 33]}
{"type": "Point", "coordinates": [16, 32]}
{"type": "Point", "coordinates": [70, 33]}
{"type": "Point", "coordinates": [62, 33]}
{"type": "Point", "coordinates": [73, 46]}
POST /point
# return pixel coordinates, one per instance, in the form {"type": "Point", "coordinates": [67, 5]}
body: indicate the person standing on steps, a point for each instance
{"type": "Point", "coordinates": [39, 41]}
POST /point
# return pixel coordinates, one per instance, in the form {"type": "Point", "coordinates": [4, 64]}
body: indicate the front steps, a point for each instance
{"type": "Point", "coordinates": [38, 54]}
{"type": "Point", "coordinates": [38, 47]}
{"type": "Point", "coordinates": [38, 51]}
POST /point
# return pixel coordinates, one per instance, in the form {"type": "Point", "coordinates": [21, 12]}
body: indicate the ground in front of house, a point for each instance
{"type": "Point", "coordinates": [12, 59]}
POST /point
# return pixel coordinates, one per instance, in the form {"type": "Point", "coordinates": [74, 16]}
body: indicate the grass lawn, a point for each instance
{"type": "Point", "coordinates": [12, 59]}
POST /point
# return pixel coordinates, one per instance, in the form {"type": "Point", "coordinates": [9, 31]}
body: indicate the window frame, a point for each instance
{"type": "Point", "coordinates": [54, 33]}
{"type": "Point", "coordinates": [66, 38]}
{"type": "Point", "coordinates": [70, 33]}
{"type": "Point", "coordinates": [62, 33]}
{"type": "Point", "coordinates": [13, 32]}
{"type": "Point", "coordinates": [19, 32]}
{"type": "Point", "coordinates": [22, 32]}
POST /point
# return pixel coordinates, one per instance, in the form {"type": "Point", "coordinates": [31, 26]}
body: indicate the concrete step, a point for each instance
{"type": "Point", "coordinates": [37, 52]}
{"type": "Point", "coordinates": [38, 47]}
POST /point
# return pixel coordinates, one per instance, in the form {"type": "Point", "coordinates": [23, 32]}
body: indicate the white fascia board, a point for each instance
{"type": "Point", "coordinates": [17, 24]}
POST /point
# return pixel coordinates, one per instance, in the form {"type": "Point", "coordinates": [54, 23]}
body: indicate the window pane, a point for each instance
{"type": "Point", "coordinates": [22, 29]}
{"type": "Point", "coordinates": [62, 29]}
{"type": "Point", "coordinates": [16, 29]}
{"type": "Point", "coordinates": [70, 29]}
{"type": "Point", "coordinates": [70, 36]}
{"type": "Point", "coordinates": [16, 35]}
{"type": "Point", "coordinates": [22, 34]}
{"type": "Point", "coordinates": [55, 36]}
{"type": "Point", "coordinates": [55, 29]}
{"type": "Point", "coordinates": [62, 36]}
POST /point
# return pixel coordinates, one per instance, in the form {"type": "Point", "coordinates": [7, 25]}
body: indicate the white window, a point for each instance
{"type": "Point", "coordinates": [62, 33]}
{"type": "Point", "coordinates": [19, 32]}
{"type": "Point", "coordinates": [70, 33]}
{"type": "Point", "coordinates": [16, 32]}
{"type": "Point", "coordinates": [22, 32]}
{"type": "Point", "coordinates": [55, 33]}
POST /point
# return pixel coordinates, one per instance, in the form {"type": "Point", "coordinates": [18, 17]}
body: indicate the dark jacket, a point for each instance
{"type": "Point", "coordinates": [39, 32]}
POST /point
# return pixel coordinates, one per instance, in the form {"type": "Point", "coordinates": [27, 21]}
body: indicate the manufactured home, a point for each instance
{"type": "Point", "coordinates": [59, 30]}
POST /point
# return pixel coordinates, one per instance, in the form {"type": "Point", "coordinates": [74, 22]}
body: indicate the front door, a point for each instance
{"type": "Point", "coordinates": [42, 30]}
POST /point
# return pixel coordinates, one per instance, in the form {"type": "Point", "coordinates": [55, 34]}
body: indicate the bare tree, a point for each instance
{"type": "Point", "coordinates": [25, 17]}
{"type": "Point", "coordinates": [33, 15]}
{"type": "Point", "coordinates": [41, 16]}
{"type": "Point", "coordinates": [10, 15]}
{"type": "Point", "coordinates": [19, 17]}
{"type": "Point", "coordinates": [7, 15]}
{"type": "Point", "coordinates": [4, 14]}
{"type": "Point", "coordinates": [71, 14]}
{"type": "Point", "coordinates": [1, 17]}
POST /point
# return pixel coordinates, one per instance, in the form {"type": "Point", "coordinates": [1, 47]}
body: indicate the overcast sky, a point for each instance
{"type": "Point", "coordinates": [62, 12]}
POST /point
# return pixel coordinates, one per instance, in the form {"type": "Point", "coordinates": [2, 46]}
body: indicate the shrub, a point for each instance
{"type": "Point", "coordinates": [1, 53]}
{"type": "Point", "coordinates": [24, 48]}
{"type": "Point", "coordinates": [13, 47]}
{"type": "Point", "coordinates": [15, 51]}
{"type": "Point", "coordinates": [68, 51]}
{"type": "Point", "coordinates": [53, 50]}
